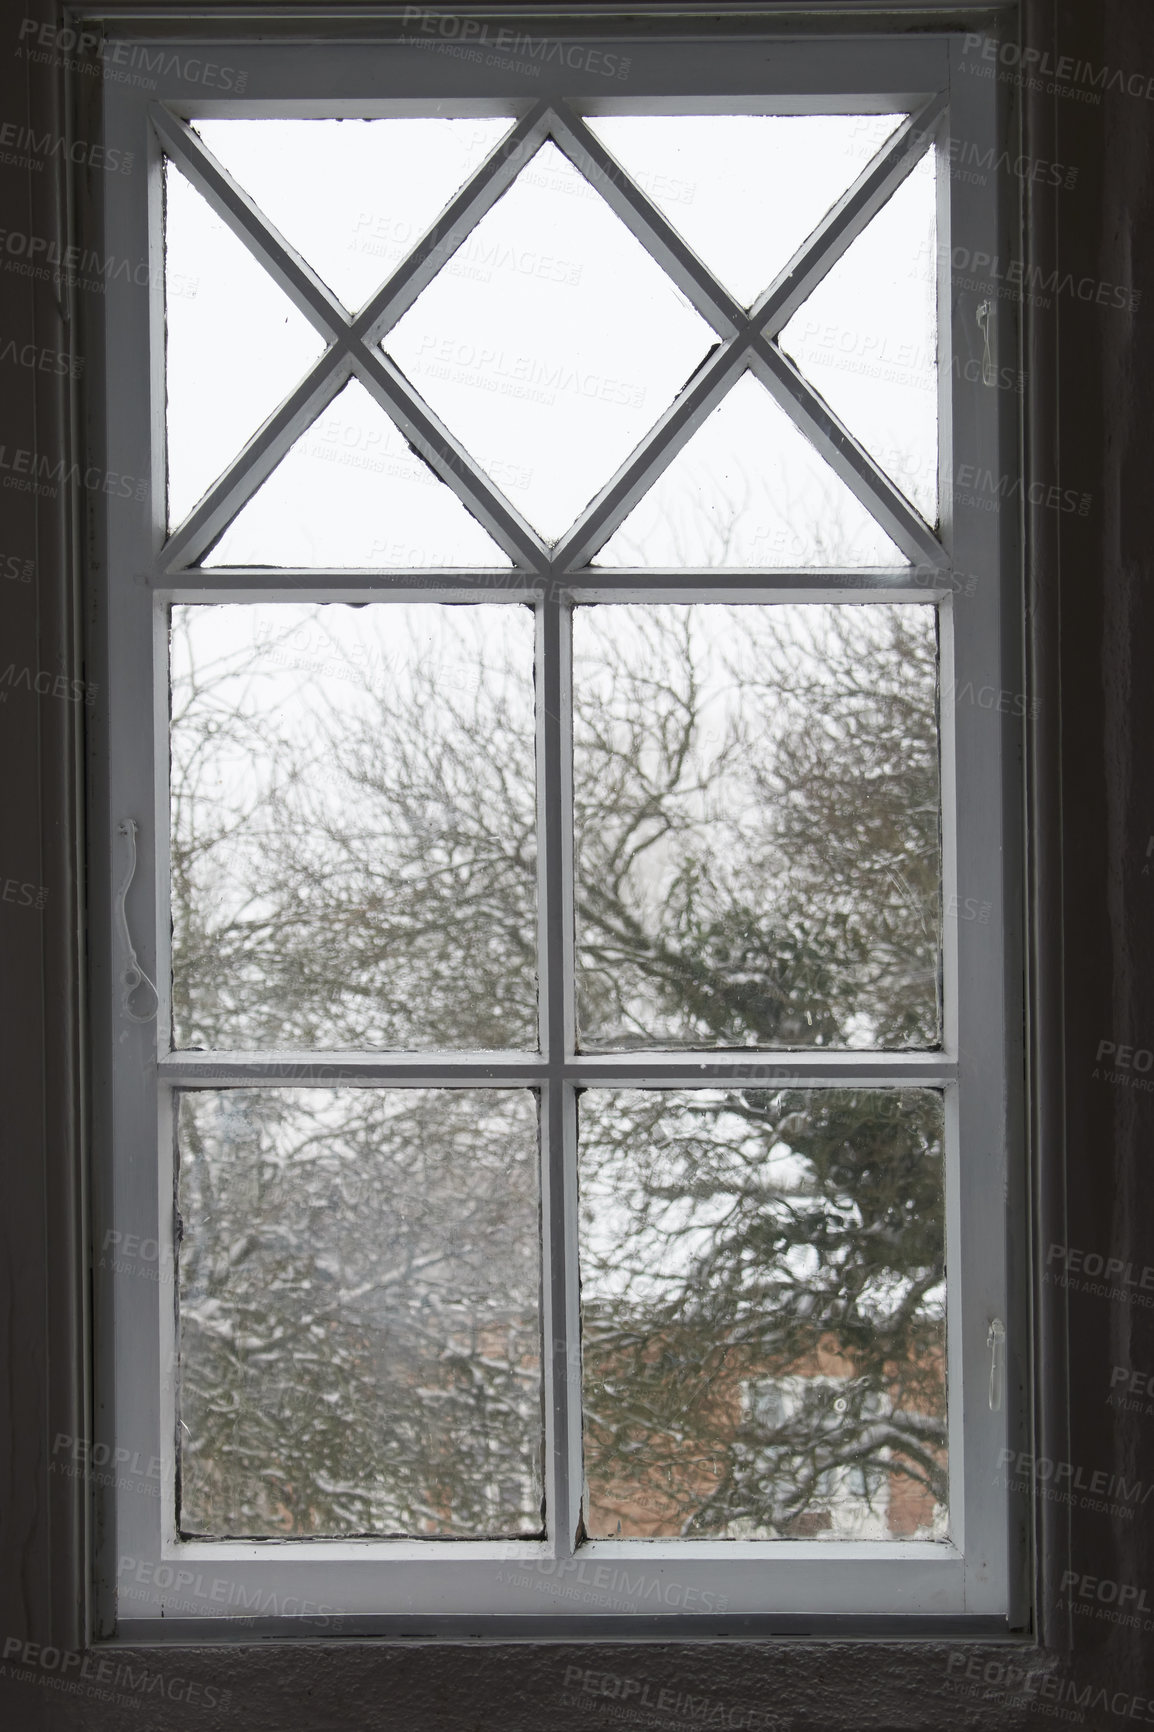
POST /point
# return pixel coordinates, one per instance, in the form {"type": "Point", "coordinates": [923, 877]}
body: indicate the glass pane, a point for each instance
{"type": "Point", "coordinates": [748, 489]}
{"type": "Point", "coordinates": [353, 197]}
{"type": "Point", "coordinates": [565, 355]}
{"type": "Point", "coordinates": [763, 1313]}
{"type": "Point", "coordinates": [234, 344]}
{"type": "Point", "coordinates": [867, 338]}
{"type": "Point", "coordinates": [757, 826]}
{"type": "Point", "coordinates": [352, 492]}
{"type": "Point", "coordinates": [745, 190]}
{"type": "Point", "coordinates": [353, 826]}
{"type": "Point", "coordinates": [359, 1331]}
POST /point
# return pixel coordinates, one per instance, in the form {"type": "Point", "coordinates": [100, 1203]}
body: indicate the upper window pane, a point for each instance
{"type": "Point", "coordinates": [352, 196]}
{"type": "Point", "coordinates": [745, 190]}
{"type": "Point", "coordinates": [758, 830]}
{"type": "Point", "coordinates": [748, 490]}
{"type": "Point", "coordinates": [352, 492]}
{"type": "Point", "coordinates": [563, 349]}
{"type": "Point", "coordinates": [234, 344]}
{"type": "Point", "coordinates": [867, 338]}
{"type": "Point", "coordinates": [353, 827]}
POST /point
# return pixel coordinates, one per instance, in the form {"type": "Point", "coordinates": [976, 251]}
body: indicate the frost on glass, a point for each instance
{"type": "Point", "coordinates": [866, 338]}
{"type": "Point", "coordinates": [353, 197]}
{"type": "Point", "coordinates": [234, 344]}
{"type": "Point", "coordinates": [763, 1313]}
{"type": "Point", "coordinates": [745, 190]}
{"type": "Point", "coordinates": [353, 826]}
{"type": "Point", "coordinates": [352, 492]}
{"type": "Point", "coordinates": [559, 346]}
{"type": "Point", "coordinates": [359, 1335]}
{"type": "Point", "coordinates": [749, 490]}
{"type": "Point", "coordinates": [758, 857]}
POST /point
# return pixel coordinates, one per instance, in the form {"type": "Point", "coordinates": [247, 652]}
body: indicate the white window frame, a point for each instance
{"type": "Point", "coordinates": [147, 1578]}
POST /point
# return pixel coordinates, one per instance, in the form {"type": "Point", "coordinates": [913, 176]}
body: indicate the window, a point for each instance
{"type": "Point", "coordinates": [566, 854]}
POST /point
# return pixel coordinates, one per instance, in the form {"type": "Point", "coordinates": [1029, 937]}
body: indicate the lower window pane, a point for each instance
{"type": "Point", "coordinates": [359, 1313]}
{"type": "Point", "coordinates": [763, 1313]}
{"type": "Point", "coordinates": [757, 811]}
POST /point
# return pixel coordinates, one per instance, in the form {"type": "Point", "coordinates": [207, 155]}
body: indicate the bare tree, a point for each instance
{"type": "Point", "coordinates": [756, 805]}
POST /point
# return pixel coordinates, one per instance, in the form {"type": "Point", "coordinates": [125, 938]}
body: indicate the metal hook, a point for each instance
{"type": "Point", "coordinates": [996, 1342]}
{"type": "Point", "coordinates": [133, 975]}
{"type": "Point", "coordinates": [989, 371]}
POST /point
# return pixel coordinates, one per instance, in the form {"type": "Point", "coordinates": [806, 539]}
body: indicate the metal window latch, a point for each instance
{"type": "Point", "coordinates": [989, 371]}
{"type": "Point", "coordinates": [996, 1342]}
{"type": "Point", "coordinates": [133, 976]}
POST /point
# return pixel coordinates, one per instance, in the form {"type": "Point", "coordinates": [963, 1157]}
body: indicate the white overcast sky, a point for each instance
{"type": "Point", "coordinates": [551, 341]}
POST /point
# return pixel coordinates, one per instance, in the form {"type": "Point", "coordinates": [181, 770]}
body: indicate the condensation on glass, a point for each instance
{"type": "Point", "coordinates": [757, 809]}
{"type": "Point", "coordinates": [763, 1313]}
{"type": "Point", "coordinates": [353, 802]}
{"type": "Point", "coordinates": [360, 1345]}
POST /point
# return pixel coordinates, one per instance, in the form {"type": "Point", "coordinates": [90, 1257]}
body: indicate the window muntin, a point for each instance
{"type": "Point", "coordinates": [561, 1068]}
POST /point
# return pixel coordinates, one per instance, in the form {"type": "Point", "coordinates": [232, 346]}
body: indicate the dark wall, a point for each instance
{"type": "Point", "coordinates": [1090, 637]}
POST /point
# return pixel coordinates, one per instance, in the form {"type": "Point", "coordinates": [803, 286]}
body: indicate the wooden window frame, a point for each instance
{"type": "Point", "coordinates": [976, 1583]}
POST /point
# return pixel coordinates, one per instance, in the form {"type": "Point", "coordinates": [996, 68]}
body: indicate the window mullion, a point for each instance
{"type": "Point", "coordinates": [656, 451]}
{"type": "Point", "coordinates": [841, 226]}
{"type": "Point", "coordinates": [453, 227]}
{"type": "Point", "coordinates": [849, 461]}
{"type": "Point", "coordinates": [646, 223]}
{"type": "Point", "coordinates": [256, 462]}
{"type": "Point", "coordinates": [448, 457]}
{"type": "Point", "coordinates": [270, 249]}
{"type": "Point", "coordinates": [560, 1309]}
